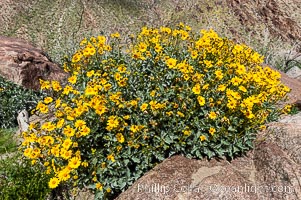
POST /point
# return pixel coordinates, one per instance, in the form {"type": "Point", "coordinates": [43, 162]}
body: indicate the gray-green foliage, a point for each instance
{"type": "Point", "coordinates": [13, 99]}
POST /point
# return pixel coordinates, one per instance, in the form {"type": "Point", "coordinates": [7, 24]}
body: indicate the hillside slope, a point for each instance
{"type": "Point", "coordinates": [270, 26]}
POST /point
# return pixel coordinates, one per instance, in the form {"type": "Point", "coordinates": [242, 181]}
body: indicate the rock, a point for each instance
{"type": "Point", "coordinates": [298, 104]}
{"type": "Point", "coordinates": [24, 64]}
{"type": "Point", "coordinates": [294, 72]}
{"type": "Point", "coordinates": [182, 178]}
{"type": "Point", "coordinates": [276, 15]}
{"type": "Point", "coordinates": [294, 85]}
{"type": "Point", "coordinates": [271, 171]}
{"type": "Point", "coordinates": [23, 120]}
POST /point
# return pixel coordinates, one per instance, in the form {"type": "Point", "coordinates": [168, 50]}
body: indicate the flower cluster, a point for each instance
{"type": "Point", "coordinates": [170, 91]}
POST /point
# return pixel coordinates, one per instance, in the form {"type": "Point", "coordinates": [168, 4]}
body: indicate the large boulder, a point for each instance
{"type": "Point", "coordinates": [25, 64]}
{"type": "Point", "coordinates": [294, 72]}
{"type": "Point", "coordinates": [295, 86]}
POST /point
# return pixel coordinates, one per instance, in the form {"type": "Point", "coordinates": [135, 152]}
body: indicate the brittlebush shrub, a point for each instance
{"type": "Point", "coordinates": [127, 107]}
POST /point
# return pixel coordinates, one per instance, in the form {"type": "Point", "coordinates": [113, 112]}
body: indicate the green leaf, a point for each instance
{"type": "Point", "coordinates": [136, 160]}
{"type": "Point", "coordinates": [232, 129]}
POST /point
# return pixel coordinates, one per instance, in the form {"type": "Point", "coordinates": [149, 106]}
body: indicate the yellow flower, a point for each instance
{"type": "Point", "coordinates": [121, 68]}
{"type": "Point", "coordinates": [31, 126]}
{"type": "Point", "coordinates": [48, 126]}
{"type": "Point", "coordinates": [44, 84]}
{"type": "Point", "coordinates": [262, 127]}
{"type": "Point", "coordinates": [48, 100]}
{"type": "Point", "coordinates": [57, 103]}
{"type": "Point", "coordinates": [76, 57]}
{"type": "Point", "coordinates": [142, 47]}
{"type": "Point", "coordinates": [186, 132]}
{"type": "Point", "coordinates": [101, 39]}
{"type": "Point", "coordinates": [122, 82]}
{"type": "Point", "coordinates": [90, 91]}
{"type": "Point", "coordinates": [201, 100]}
{"type": "Point", "coordinates": [180, 114]}
{"type": "Point", "coordinates": [67, 143]}
{"type": "Point", "coordinates": [108, 86]}
{"type": "Point", "coordinates": [202, 138]}
{"type": "Point", "coordinates": [46, 163]}
{"type": "Point", "coordinates": [241, 69]}
{"type": "Point", "coordinates": [42, 107]}
{"type": "Point", "coordinates": [242, 88]}
{"type": "Point", "coordinates": [90, 73]}
{"type": "Point", "coordinates": [67, 90]}
{"type": "Point", "coordinates": [84, 130]}
{"type": "Point", "coordinates": [212, 115]}
{"type": "Point", "coordinates": [171, 63]}
{"type": "Point", "coordinates": [72, 79]}
{"type": "Point", "coordinates": [143, 106]}
{"type": "Point", "coordinates": [98, 186]}
{"type": "Point", "coordinates": [112, 123]}
{"type": "Point", "coordinates": [249, 114]}
{"type": "Point", "coordinates": [107, 48]}
{"type": "Point", "coordinates": [134, 128]}
{"type": "Point", "coordinates": [231, 103]}
{"type": "Point", "coordinates": [59, 114]}
{"type": "Point", "coordinates": [206, 86]}
{"type": "Point", "coordinates": [83, 42]}
{"type": "Point", "coordinates": [169, 113]}
{"type": "Point", "coordinates": [74, 162]}
{"type": "Point", "coordinates": [120, 137]}
{"type": "Point", "coordinates": [111, 157]}
{"type": "Point", "coordinates": [287, 109]}
{"type": "Point", "coordinates": [196, 89]}
{"type": "Point", "coordinates": [60, 123]}
{"type": "Point", "coordinates": [221, 88]}
{"type": "Point", "coordinates": [53, 183]}
{"type": "Point", "coordinates": [68, 131]}
{"type": "Point", "coordinates": [79, 123]}
{"type": "Point", "coordinates": [153, 93]}
{"type": "Point", "coordinates": [64, 175]}
{"type": "Point", "coordinates": [134, 103]}
{"type": "Point", "coordinates": [212, 130]}
{"type": "Point", "coordinates": [208, 63]}
{"type": "Point", "coordinates": [66, 154]}
{"type": "Point", "coordinates": [27, 152]}
{"type": "Point", "coordinates": [153, 104]}
{"type": "Point", "coordinates": [85, 164]}
{"type": "Point", "coordinates": [158, 48]}
{"type": "Point", "coordinates": [194, 54]}
{"type": "Point", "coordinates": [236, 81]}
{"type": "Point", "coordinates": [219, 74]}
{"type": "Point", "coordinates": [115, 35]}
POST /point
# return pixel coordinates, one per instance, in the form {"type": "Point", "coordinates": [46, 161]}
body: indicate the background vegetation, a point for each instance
{"type": "Point", "coordinates": [271, 27]}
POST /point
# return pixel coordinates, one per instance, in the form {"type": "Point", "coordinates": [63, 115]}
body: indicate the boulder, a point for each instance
{"type": "Point", "coordinates": [276, 15]}
{"type": "Point", "coordinates": [271, 171]}
{"type": "Point", "coordinates": [25, 64]}
{"type": "Point", "coordinates": [294, 72]}
{"type": "Point", "coordinates": [295, 86]}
